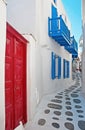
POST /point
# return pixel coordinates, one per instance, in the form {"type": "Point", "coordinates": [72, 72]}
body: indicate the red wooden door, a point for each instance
{"type": "Point", "coordinates": [15, 79]}
{"type": "Point", "coordinates": [9, 82]}
{"type": "Point", "coordinates": [18, 80]}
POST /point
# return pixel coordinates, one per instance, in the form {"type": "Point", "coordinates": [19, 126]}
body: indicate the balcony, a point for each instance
{"type": "Point", "coordinates": [58, 30]}
{"type": "Point", "coordinates": [73, 48]}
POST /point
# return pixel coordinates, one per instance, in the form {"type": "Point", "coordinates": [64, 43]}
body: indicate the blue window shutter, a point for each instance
{"type": "Point", "coordinates": [52, 76]}
{"type": "Point", "coordinates": [55, 64]}
{"type": "Point", "coordinates": [64, 69]}
{"type": "Point", "coordinates": [59, 67]}
{"type": "Point", "coordinates": [48, 26]}
{"type": "Point", "coordinates": [52, 65]}
{"type": "Point", "coordinates": [68, 69]}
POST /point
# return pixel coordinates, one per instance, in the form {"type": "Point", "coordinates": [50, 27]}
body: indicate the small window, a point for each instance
{"type": "Point", "coordinates": [55, 66]}
{"type": "Point", "coordinates": [65, 68]}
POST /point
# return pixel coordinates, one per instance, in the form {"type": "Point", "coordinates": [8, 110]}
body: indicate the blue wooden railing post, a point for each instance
{"type": "Point", "coordinates": [49, 29]}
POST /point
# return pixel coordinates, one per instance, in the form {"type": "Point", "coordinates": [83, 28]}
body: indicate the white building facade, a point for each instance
{"type": "Point", "coordinates": [83, 53]}
{"type": "Point", "coordinates": [49, 60]}
{"type": "Point", "coordinates": [2, 61]}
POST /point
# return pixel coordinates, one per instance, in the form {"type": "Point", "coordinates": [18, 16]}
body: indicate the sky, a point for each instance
{"type": "Point", "coordinates": [73, 10]}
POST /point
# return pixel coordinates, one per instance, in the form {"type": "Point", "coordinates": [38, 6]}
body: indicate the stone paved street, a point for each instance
{"type": "Point", "coordinates": [63, 110]}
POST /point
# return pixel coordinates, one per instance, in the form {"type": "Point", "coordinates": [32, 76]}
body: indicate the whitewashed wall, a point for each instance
{"type": "Point", "coordinates": [35, 82]}
{"type": "Point", "coordinates": [2, 62]}
{"type": "Point", "coordinates": [83, 53]}
{"type": "Point", "coordinates": [48, 45]}
{"type": "Point", "coordinates": [57, 84]}
{"type": "Point", "coordinates": [21, 15]}
{"type": "Point", "coordinates": [32, 17]}
{"type": "Point", "coordinates": [61, 11]}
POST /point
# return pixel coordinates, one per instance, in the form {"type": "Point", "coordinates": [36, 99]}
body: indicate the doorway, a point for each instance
{"type": "Point", "coordinates": [15, 79]}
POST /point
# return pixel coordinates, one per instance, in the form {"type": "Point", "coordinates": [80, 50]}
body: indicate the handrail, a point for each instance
{"type": "Point", "coordinates": [57, 25]}
{"type": "Point", "coordinates": [64, 28]}
{"type": "Point", "coordinates": [74, 43]}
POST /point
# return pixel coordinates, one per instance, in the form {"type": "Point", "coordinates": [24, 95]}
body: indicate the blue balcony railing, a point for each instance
{"type": "Point", "coordinates": [73, 48]}
{"type": "Point", "coordinates": [58, 30]}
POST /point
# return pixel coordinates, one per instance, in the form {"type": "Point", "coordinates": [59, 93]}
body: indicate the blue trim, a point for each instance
{"type": "Point", "coordinates": [66, 69]}
{"type": "Point", "coordinates": [73, 48]}
{"type": "Point", "coordinates": [53, 66]}
{"type": "Point", "coordinates": [59, 31]}
{"type": "Point", "coordinates": [74, 55]}
{"type": "Point", "coordinates": [63, 68]}
{"type": "Point", "coordinates": [59, 67]}
{"type": "Point", "coordinates": [55, 58]}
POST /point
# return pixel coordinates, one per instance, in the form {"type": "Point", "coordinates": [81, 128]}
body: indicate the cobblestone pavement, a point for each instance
{"type": "Point", "coordinates": [63, 110]}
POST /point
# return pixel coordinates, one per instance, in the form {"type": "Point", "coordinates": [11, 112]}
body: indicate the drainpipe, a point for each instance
{"type": "Point", "coordinates": [83, 53]}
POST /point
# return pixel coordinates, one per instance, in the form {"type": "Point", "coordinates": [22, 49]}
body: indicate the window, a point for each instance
{"type": "Point", "coordinates": [65, 68]}
{"type": "Point", "coordinates": [55, 66]}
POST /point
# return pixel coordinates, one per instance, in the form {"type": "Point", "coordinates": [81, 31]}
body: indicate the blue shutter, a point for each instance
{"type": "Point", "coordinates": [68, 69]}
{"type": "Point", "coordinates": [52, 65]}
{"type": "Point", "coordinates": [64, 68]}
{"type": "Point", "coordinates": [55, 73]}
{"type": "Point", "coordinates": [48, 26]}
{"type": "Point", "coordinates": [59, 67]}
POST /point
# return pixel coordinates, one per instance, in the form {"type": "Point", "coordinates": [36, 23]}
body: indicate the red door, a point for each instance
{"type": "Point", "coordinates": [15, 79]}
{"type": "Point", "coordinates": [9, 82]}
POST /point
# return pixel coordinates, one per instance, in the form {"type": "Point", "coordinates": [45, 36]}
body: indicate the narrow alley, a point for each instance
{"type": "Point", "coordinates": [42, 65]}
{"type": "Point", "coordinates": [63, 110]}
